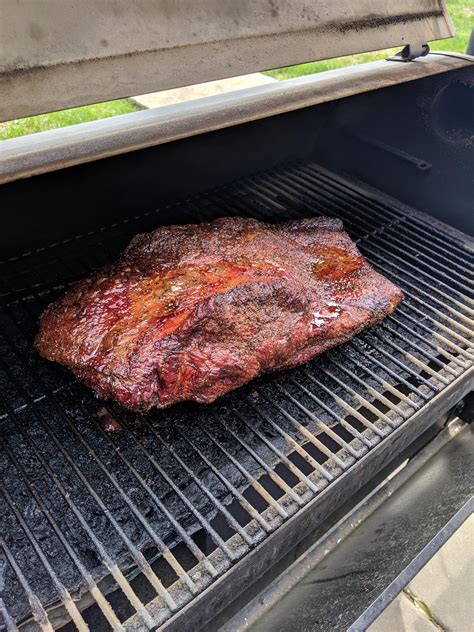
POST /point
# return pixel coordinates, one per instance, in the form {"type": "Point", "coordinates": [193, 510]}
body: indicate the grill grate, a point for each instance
{"type": "Point", "coordinates": [137, 523]}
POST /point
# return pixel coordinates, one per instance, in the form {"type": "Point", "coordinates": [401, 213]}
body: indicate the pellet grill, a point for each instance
{"type": "Point", "coordinates": [211, 517]}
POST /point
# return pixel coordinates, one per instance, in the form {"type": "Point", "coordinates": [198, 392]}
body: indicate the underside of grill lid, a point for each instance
{"type": "Point", "coordinates": [63, 53]}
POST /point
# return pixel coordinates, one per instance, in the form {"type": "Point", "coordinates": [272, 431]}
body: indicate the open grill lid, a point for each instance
{"type": "Point", "coordinates": [60, 53]}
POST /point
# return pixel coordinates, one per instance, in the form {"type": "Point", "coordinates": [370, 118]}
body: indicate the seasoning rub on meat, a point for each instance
{"type": "Point", "coordinates": [192, 312]}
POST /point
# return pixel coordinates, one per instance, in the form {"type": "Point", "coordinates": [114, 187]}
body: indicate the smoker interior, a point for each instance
{"type": "Point", "coordinates": [137, 525]}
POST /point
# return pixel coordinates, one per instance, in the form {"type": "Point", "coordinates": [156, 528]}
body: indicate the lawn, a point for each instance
{"type": "Point", "coordinates": [32, 124]}
{"type": "Point", "coordinates": [461, 11]}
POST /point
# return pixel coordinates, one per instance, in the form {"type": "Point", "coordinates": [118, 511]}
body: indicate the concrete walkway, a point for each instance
{"type": "Point", "coordinates": [188, 93]}
{"type": "Point", "coordinates": [440, 597]}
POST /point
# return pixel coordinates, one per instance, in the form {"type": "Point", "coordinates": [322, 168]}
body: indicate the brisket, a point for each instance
{"type": "Point", "coordinates": [192, 312]}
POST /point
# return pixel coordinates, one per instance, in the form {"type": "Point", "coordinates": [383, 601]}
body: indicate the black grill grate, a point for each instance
{"type": "Point", "coordinates": [140, 521]}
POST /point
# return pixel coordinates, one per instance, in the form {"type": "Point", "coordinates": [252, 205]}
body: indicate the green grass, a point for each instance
{"type": "Point", "coordinates": [32, 124]}
{"type": "Point", "coordinates": [461, 12]}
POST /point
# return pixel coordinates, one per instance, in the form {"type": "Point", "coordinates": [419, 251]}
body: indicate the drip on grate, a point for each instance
{"type": "Point", "coordinates": [156, 510]}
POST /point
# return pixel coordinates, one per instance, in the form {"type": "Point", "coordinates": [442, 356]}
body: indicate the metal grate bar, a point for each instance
{"type": "Point", "coordinates": [325, 195]}
{"type": "Point", "coordinates": [439, 350]}
{"type": "Point", "coordinates": [421, 253]}
{"type": "Point", "coordinates": [416, 361]}
{"type": "Point", "coordinates": [387, 387]}
{"type": "Point", "coordinates": [389, 260]}
{"type": "Point", "coordinates": [365, 205]}
{"type": "Point", "coordinates": [371, 434]}
{"type": "Point", "coordinates": [422, 230]}
{"type": "Point", "coordinates": [362, 400]}
{"type": "Point", "coordinates": [89, 582]}
{"type": "Point", "coordinates": [276, 478]}
{"type": "Point", "coordinates": [255, 483]}
{"type": "Point", "coordinates": [349, 447]}
{"type": "Point", "coordinates": [136, 555]}
{"type": "Point", "coordinates": [7, 619]}
{"type": "Point", "coordinates": [436, 311]}
{"type": "Point", "coordinates": [217, 504]}
{"type": "Point", "coordinates": [403, 365]}
{"type": "Point", "coordinates": [195, 550]}
{"type": "Point", "coordinates": [397, 377]}
{"type": "Point", "coordinates": [442, 338]}
{"type": "Point", "coordinates": [105, 607]}
{"type": "Point", "coordinates": [39, 613]}
{"type": "Point", "coordinates": [340, 463]}
{"type": "Point", "coordinates": [328, 476]}
{"type": "Point", "coordinates": [386, 244]}
{"type": "Point", "coordinates": [62, 591]}
{"type": "Point", "coordinates": [243, 502]}
{"type": "Point", "coordinates": [347, 407]}
{"type": "Point", "coordinates": [200, 518]}
{"type": "Point", "coordinates": [110, 564]}
{"type": "Point", "coordinates": [145, 567]}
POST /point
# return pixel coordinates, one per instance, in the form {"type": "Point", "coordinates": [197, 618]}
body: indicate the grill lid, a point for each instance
{"type": "Point", "coordinates": [61, 53]}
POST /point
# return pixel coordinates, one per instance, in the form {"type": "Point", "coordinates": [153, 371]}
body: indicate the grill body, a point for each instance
{"type": "Point", "coordinates": [166, 519]}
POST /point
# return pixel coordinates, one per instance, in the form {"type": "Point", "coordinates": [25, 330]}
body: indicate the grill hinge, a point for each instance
{"type": "Point", "coordinates": [410, 52]}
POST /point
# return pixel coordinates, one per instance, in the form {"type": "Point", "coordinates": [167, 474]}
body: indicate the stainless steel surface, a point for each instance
{"type": "Point", "coordinates": [47, 151]}
{"type": "Point", "coordinates": [56, 54]}
{"type": "Point", "coordinates": [177, 508]}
